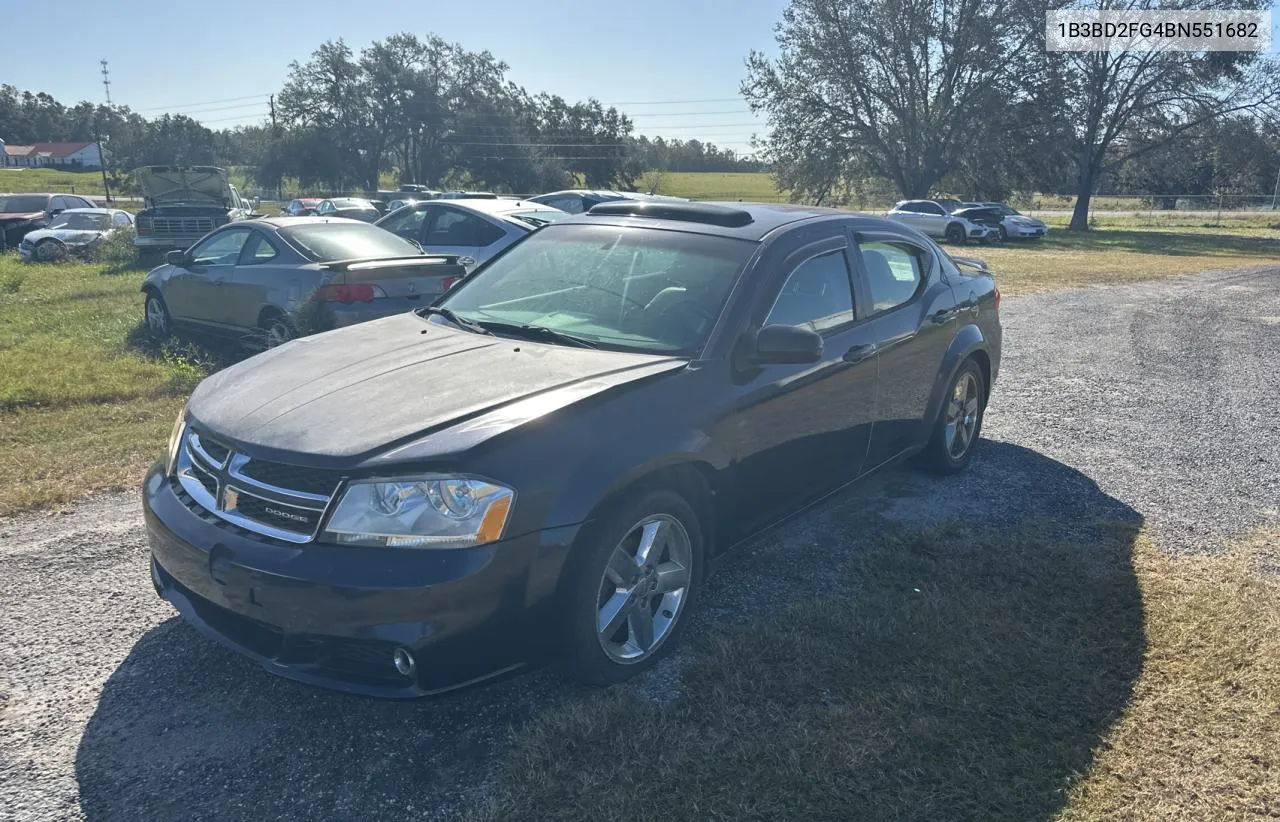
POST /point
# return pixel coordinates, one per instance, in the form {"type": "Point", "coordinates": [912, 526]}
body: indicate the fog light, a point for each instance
{"type": "Point", "coordinates": [404, 662]}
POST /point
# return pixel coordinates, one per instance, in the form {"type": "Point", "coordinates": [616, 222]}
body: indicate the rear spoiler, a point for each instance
{"type": "Point", "coordinates": [972, 262]}
{"type": "Point", "coordinates": [363, 263]}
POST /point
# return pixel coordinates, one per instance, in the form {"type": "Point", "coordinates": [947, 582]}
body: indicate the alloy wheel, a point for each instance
{"type": "Point", "coordinates": [644, 588]}
{"type": "Point", "coordinates": [156, 317]}
{"type": "Point", "coordinates": [278, 333]}
{"type": "Point", "coordinates": [962, 416]}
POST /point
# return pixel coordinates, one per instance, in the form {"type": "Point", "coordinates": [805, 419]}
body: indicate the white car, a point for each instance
{"type": "Point", "coordinates": [1014, 226]}
{"type": "Point", "coordinates": [934, 218]}
{"type": "Point", "coordinates": [74, 232]}
{"type": "Point", "coordinates": [472, 230]}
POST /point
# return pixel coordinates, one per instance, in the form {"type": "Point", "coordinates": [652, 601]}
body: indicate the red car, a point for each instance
{"type": "Point", "coordinates": [300, 207]}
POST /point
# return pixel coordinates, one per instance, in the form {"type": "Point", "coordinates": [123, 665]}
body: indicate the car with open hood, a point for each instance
{"type": "Point", "coordinates": [547, 461]}
{"type": "Point", "coordinates": [1013, 224]}
{"type": "Point", "coordinates": [181, 204]}
{"type": "Point", "coordinates": [75, 232]}
{"type": "Point", "coordinates": [937, 218]}
{"type": "Point", "coordinates": [21, 214]}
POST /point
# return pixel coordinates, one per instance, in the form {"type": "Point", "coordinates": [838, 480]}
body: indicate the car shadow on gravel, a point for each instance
{"type": "Point", "coordinates": [186, 729]}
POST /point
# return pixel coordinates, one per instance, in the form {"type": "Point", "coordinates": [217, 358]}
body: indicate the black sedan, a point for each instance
{"type": "Point", "coordinates": [548, 461]}
{"type": "Point", "coordinates": [351, 207]}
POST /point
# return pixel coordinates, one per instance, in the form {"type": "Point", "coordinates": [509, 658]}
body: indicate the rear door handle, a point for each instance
{"type": "Point", "coordinates": [943, 315]}
{"type": "Point", "coordinates": [859, 352]}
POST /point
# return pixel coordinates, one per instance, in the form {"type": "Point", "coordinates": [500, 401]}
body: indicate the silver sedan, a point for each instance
{"type": "Point", "coordinates": [266, 281]}
{"type": "Point", "coordinates": [473, 230]}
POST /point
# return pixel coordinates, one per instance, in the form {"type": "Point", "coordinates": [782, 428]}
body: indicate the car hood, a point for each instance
{"type": "Point", "coordinates": [13, 216]}
{"type": "Point", "coordinates": [348, 394]}
{"type": "Point", "coordinates": [194, 185]}
{"type": "Point", "coordinates": [69, 236]}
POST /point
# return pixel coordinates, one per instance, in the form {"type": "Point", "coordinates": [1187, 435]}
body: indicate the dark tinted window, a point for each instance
{"type": "Point", "coordinates": [23, 203]}
{"type": "Point", "coordinates": [452, 227]}
{"type": "Point", "coordinates": [325, 242]}
{"type": "Point", "coordinates": [817, 294]}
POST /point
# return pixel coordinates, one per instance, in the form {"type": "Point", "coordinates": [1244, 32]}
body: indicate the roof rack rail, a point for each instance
{"type": "Point", "coordinates": [705, 213]}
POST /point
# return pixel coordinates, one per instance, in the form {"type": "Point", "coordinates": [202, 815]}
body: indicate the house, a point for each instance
{"type": "Point", "coordinates": [58, 155]}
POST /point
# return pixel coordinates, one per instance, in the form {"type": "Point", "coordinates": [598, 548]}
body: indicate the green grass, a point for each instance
{"type": "Point", "coordinates": [86, 399]}
{"type": "Point", "coordinates": [17, 180]}
{"type": "Point", "coordinates": [970, 674]}
{"type": "Point", "coordinates": [746, 186]}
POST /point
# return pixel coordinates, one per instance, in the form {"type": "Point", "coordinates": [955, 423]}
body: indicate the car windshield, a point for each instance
{"type": "Point", "coordinates": [537, 219]}
{"type": "Point", "coordinates": [626, 288]}
{"type": "Point", "coordinates": [326, 242]}
{"type": "Point", "coordinates": [82, 221]}
{"type": "Point", "coordinates": [346, 202]}
{"type": "Point", "coordinates": [18, 204]}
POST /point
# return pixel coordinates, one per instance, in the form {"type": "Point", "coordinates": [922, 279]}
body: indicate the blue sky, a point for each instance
{"type": "Point", "coordinates": [643, 54]}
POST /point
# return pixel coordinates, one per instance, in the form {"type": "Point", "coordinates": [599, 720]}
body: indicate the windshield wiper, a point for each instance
{"type": "Point", "coordinates": [462, 322]}
{"type": "Point", "coordinates": [533, 332]}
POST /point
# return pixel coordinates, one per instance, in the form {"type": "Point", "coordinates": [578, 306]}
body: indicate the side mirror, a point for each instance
{"type": "Point", "coordinates": [178, 258]}
{"type": "Point", "coordinates": [786, 344]}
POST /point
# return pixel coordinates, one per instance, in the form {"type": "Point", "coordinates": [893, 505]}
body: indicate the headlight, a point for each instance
{"type": "Point", "coordinates": [175, 442]}
{"type": "Point", "coordinates": [434, 511]}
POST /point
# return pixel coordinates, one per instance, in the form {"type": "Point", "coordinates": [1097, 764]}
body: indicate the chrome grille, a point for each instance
{"type": "Point", "coordinates": [178, 226]}
{"type": "Point", "coordinates": [236, 488]}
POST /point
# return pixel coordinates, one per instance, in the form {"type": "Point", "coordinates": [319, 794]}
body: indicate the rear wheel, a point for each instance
{"type": "Point", "coordinates": [156, 314]}
{"type": "Point", "coordinates": [955, 233]}
{"type": "Point", "coordinates": [277, 330]}
{"type": "Point", "coordinates": [959, 423]}
{"type": "Point", "coordinates": [635, 580]}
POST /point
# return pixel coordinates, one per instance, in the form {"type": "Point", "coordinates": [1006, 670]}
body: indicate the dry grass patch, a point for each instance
{"type": "Point", "coordinates": [973, 675]}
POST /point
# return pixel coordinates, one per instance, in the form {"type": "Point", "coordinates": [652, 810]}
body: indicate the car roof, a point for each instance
{"type": "Point", "coordinates": [765, 218]}
{"type": "Point", "coordinates": [288, 221]}
{"type": "Point", "coordinates": [93, 211]}
{"type": "Point", "coordinates": [493, 207]}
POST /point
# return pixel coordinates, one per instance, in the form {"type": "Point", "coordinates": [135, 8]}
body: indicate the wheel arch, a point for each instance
{"type": "Point", "coordinates": [969, 343]}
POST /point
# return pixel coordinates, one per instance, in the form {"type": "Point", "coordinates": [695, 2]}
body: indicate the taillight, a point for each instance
{"type": "Point", "coordinates": [347, 294]}
{"type": "Point", "coordinates": [997, 299]}
{"type": "Point", "coordinates": [449, 282]}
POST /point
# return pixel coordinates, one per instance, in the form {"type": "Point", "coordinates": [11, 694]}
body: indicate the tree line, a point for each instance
{"type": "Point", "coordinates": [426, 110]}
{"type": "Point", "coordinates": [961, 96]}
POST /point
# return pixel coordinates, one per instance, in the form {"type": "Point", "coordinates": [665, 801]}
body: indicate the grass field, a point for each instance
{"type": "Point", "coordinates": [976, 674]}
{"type": "Point", "coordinates": [16, 180]}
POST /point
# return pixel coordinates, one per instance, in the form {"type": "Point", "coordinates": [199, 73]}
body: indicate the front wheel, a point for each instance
{"type": "Point", "coordinates": [636, 578]}
{"type": "Point", "coordinates": [50, 251]}
{"type": "Point", "coordinates": [959, 423]}
{"type": "Point", "coordinates": [1004, 234]}
{"type": "Point", "coordinates": [955, 233]}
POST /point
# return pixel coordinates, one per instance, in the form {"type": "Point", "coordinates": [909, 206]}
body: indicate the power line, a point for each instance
{"type": "Point", "coordinates": [205, 103]}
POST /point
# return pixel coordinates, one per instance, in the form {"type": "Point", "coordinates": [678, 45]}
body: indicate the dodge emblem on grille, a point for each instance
{"type": "Point", "coordinates": [229, 499]}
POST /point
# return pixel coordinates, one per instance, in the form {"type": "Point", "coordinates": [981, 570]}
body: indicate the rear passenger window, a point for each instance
{"type": "Point", "coordinates": [894, 272]}
{"type": "Point", "coordinates": [257, 250]}
{"type": "Point", "coordinates": [816, 295]}
{"type": "Point", "coordinates": [454, 228]}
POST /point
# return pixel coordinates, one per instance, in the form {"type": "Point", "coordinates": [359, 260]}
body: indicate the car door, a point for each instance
{"type": "Point", "coordinates": [907, 214]}
{"type": "Point", "coordinates": [931, 219]}
{"type": "Point", "coordinates": [802, 430]}
{"type": "Point", "coordinates": [255, 272]}
{"type": "Point", "coordinates": [912, 320]}
{"type": "Point", "coordinates": [457, 232]}
{"type": "Point", "coordinates": [207, 275]}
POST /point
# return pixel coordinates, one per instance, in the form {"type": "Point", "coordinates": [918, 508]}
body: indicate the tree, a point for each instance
{"type": "Point", "coordinates": [899, 88]}
{"type": "Point", "coordinates": [1127, 103]}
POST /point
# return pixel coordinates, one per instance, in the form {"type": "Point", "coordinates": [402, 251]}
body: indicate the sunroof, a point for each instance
{"type": "Point", "coordinates": [705, 213]}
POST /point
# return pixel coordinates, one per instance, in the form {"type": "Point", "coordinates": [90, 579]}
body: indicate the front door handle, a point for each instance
{"type": "Point", "coordinates": [859, 352]}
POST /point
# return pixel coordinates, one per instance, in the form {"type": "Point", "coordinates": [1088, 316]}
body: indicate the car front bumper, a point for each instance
{"type": "Point", "coordinates": [1020, 231]}
{"type": "Point", "coordinates": [340, 315]}
{"type": "Point", "coordinates": [164, 243]}
{"type": "Point", "coordinates": [333, 616]}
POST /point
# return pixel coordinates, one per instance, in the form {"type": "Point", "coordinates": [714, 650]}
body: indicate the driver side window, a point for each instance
{"type": "Point", "coordinates": [220, 249]}
{"type": "Point", "coordinates": [817, 295]}
{"type": "Point", "coordinates": [407, 224]}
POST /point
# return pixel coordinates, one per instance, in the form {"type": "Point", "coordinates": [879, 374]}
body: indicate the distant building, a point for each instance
{"type": "Point", "coordinates": [55, 155]}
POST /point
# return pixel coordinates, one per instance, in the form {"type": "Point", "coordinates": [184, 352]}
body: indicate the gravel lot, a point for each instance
{"type": "Point", "coordinates": [1156, 402]}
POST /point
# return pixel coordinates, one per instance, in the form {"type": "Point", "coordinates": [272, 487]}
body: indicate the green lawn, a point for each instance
{"type": "Point", "coordinates": [17, 180]}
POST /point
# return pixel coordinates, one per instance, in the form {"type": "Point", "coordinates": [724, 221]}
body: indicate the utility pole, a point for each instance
{"type": "Point", "coordinates": [1276, 196]}
{"type": "Point", "coordinates": [97, 133]}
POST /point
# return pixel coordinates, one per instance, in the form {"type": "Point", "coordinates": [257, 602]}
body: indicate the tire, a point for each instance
{"type": "Point", "coordinates": [955, 234]}
{"type": "Point", "coordinates": [611, 587]}
{"type": "Point", "coordinates": [1004, 234]}
{"type": "Point", "coordinates": [156, 315]}
{"type": "Point", "coordinates": [277, 330]}
{"type": "Point", "coordinates": [955, 435]}
{"type": "Point", "coordinates": [49, 251]}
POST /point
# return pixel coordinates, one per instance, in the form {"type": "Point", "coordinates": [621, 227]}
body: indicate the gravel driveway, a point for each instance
{"type": "Point", "coordinates": [1155, 402]}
